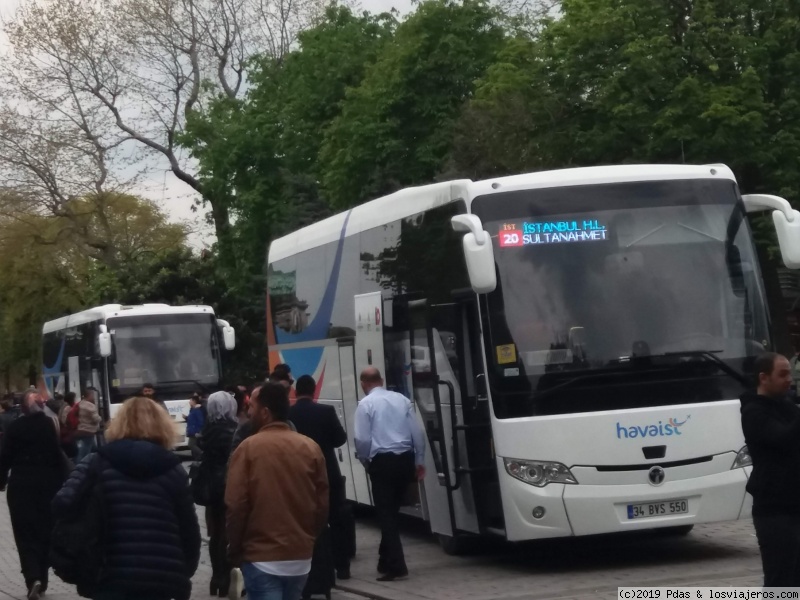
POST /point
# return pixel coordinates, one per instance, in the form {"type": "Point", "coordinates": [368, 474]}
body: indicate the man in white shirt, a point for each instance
{"type": "Point", "coordinates": [391, 445]}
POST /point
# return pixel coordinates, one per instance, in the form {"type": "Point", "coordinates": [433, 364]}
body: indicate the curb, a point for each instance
{"type": "Point", "coordinates": [362, 594]}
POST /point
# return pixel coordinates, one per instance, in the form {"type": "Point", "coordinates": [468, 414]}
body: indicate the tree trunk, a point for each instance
{"type": "Point", "coordinates": [222, 227]}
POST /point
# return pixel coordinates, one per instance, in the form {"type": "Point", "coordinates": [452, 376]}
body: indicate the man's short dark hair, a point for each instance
{"type": "Point", "coordinates": [149, 385]}
{"type": "Point", "coordinates": [281, 372]}
{"type": "Point", "coordinates": [274, 397]}
{"type": "Point", "coordinates": [764, 363]}
{"type": "Point", "coordinates": [305, 386]}
{"type": "Point", "coordinates": [69, 398]}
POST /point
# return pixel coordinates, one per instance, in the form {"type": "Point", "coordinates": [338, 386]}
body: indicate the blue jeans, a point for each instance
{"type": "Point", "coordinates": [85, 446]}
{"type": "Point", "coordinates": [261, 586]}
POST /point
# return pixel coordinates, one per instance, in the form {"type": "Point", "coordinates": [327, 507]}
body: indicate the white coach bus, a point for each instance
{"type": "Point", "coordinates": [117, 349]}
{"type": "Point", "coordinates": [574, 342]}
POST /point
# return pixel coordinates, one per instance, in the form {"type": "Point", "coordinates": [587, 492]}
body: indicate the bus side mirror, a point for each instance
{"type": "Point", "coordinates": [478, 253]}
{"type": "Point", "coordinates": [788, 237]}
{"type": "Point", "coordinates": [228, 334]}
{"type": "Point", "coordinates": [787, 224]}
{"type": "Point", "coordinates": [104, 342]}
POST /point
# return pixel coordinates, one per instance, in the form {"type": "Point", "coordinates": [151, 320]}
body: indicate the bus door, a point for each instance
{"type": "Point", "coordinates": [443, 372]}
{"type": "Point", "coordinates": [356, 485]}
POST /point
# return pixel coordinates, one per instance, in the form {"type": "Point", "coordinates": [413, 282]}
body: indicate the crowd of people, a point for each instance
{"type": "Point", "coordinates": [267, 474]}
{"type": "Point", "coordinates": [265, 470]}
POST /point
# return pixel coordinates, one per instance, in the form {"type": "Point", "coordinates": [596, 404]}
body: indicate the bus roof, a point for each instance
{"type": "Point", "coordinates": [414, 200]}
{"type": "Point", "coordinates": [101, 313]}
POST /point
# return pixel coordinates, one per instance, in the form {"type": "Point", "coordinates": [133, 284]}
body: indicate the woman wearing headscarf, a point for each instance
{"type": "Point", "coordinates": [215, 443]}
{"type": "Point", "coordinates": [152, 538]}
{"type": "Point", "coordinates": [31, 451]}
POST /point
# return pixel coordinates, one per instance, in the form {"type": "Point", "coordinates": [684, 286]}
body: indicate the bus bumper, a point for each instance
{"type": "Point", "coordinates": [594, 509]}
{"type": "Point", "coordinates": [599, 509]}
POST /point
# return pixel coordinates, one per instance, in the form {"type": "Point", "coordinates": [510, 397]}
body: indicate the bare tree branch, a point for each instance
{"type": "Point", "coordinates": [117, 72]}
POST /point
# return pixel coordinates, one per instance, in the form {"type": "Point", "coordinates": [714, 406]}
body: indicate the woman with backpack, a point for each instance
{"type": "Point", "coordinates": [215, 443]}
{"type": "Point", "coordinates": [31, 452]}
{"type": "Point", "coordinates": [151, 541]}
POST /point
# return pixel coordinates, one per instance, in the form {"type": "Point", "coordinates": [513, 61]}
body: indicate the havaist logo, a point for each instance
{"type": "Point", "coordinates": [661, 429]}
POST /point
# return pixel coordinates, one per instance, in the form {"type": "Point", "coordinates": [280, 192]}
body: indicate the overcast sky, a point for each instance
{"type": "Point", "coordinates": [175, 197]}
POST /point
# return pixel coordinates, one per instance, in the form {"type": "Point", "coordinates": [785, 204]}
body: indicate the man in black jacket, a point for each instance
{"type": "Point", "coordinates": [320, 423]}
{"type": "Point", "coordinates": [771, 426]}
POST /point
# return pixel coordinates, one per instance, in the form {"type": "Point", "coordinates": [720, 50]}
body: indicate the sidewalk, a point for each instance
{"type": "Point", "coordinates": [721, 554]}
{"type": "Point", "coordinates": [13, 586]}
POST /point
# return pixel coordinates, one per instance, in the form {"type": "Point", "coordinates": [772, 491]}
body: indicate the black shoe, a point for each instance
{"type": "Point", "coordinates": [213, 588]}
{"type": "Point", "coordinates": [343, 574]}
{"type": "Point", "coordinates": [35, 590]}
{"type": "Point", "coordinates": [392, 576]}
{"type": "Point", "coordinates": [223, 588]}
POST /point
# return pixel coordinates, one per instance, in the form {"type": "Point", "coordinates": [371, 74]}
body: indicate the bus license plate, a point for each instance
{"type": "Point", "coordinates": [658, 509]}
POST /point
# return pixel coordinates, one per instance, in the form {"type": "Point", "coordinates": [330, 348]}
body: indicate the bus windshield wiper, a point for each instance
{"type": "Point", "coordinates": [203, 386]}
{"type": "Point", "coordinates": [598, 374]}
{"type": "Point", "coordinates": [710, 356]}
{"type": "Point", "coordinates": [643, 364]}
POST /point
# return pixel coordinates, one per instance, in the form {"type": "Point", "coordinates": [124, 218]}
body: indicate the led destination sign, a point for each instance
{"type": "Point", "coordinates": [528, 233]}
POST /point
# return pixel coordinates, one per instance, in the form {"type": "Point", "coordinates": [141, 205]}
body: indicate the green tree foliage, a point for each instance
{"type": "Point", "coordinates": [261, 152]}
{"type": "Point", "coordinates": [615, 81]}
{"type": "Point", "coordinates": [54, 265]}
{"type": "Point", "coordinates": [396, 128]}
{"type": "Point", "coordinates": [39, 282]}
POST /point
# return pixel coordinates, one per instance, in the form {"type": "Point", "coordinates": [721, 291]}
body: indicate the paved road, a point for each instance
{"type": "Point", "coordinates": [580, 568]}
{"type": "Point", "coordinates": [720, 555]}
{"type": "Point", "coordinates": [13, 586]}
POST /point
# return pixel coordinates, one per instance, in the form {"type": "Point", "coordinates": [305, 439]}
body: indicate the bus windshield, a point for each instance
{"type": "Point", "coordinates": [620, 296]}
{"type": "Point", "coordinates": [175, 352]}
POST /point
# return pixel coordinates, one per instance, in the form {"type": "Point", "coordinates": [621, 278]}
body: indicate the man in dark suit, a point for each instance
{"type": "Point", "coordinates": [320, 423]}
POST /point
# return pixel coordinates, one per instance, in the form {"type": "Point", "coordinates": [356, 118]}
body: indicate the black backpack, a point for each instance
{"type": "Point", "coordinates": [77, 550]}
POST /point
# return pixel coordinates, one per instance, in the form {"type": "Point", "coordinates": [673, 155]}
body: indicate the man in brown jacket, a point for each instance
{"type": "Point", "coordinates": [277, 501]}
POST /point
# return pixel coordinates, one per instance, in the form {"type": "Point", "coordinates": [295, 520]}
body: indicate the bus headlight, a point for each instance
{"type": "Point", "coordinates": [742, 459]}
{"type": "Point", "coordinates": [537, 472]}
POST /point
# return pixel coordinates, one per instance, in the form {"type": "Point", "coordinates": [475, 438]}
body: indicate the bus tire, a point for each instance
{"type": "Point", "coordinates": [452, 545]}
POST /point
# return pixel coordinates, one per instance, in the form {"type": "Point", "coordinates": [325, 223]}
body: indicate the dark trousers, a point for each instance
{"type": "Point", "coordinates": [390, 475]}
{"type": "Point", "coordinates": [338, 525]}
{"type": "Point", "coordinates": [32, 524]}
{"type": "Point", "coordinates": [218, 545]}
{"type": "Point", "coordinates": [197, 454]}
{"type": "Point", "coordinates": [779, 542]}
